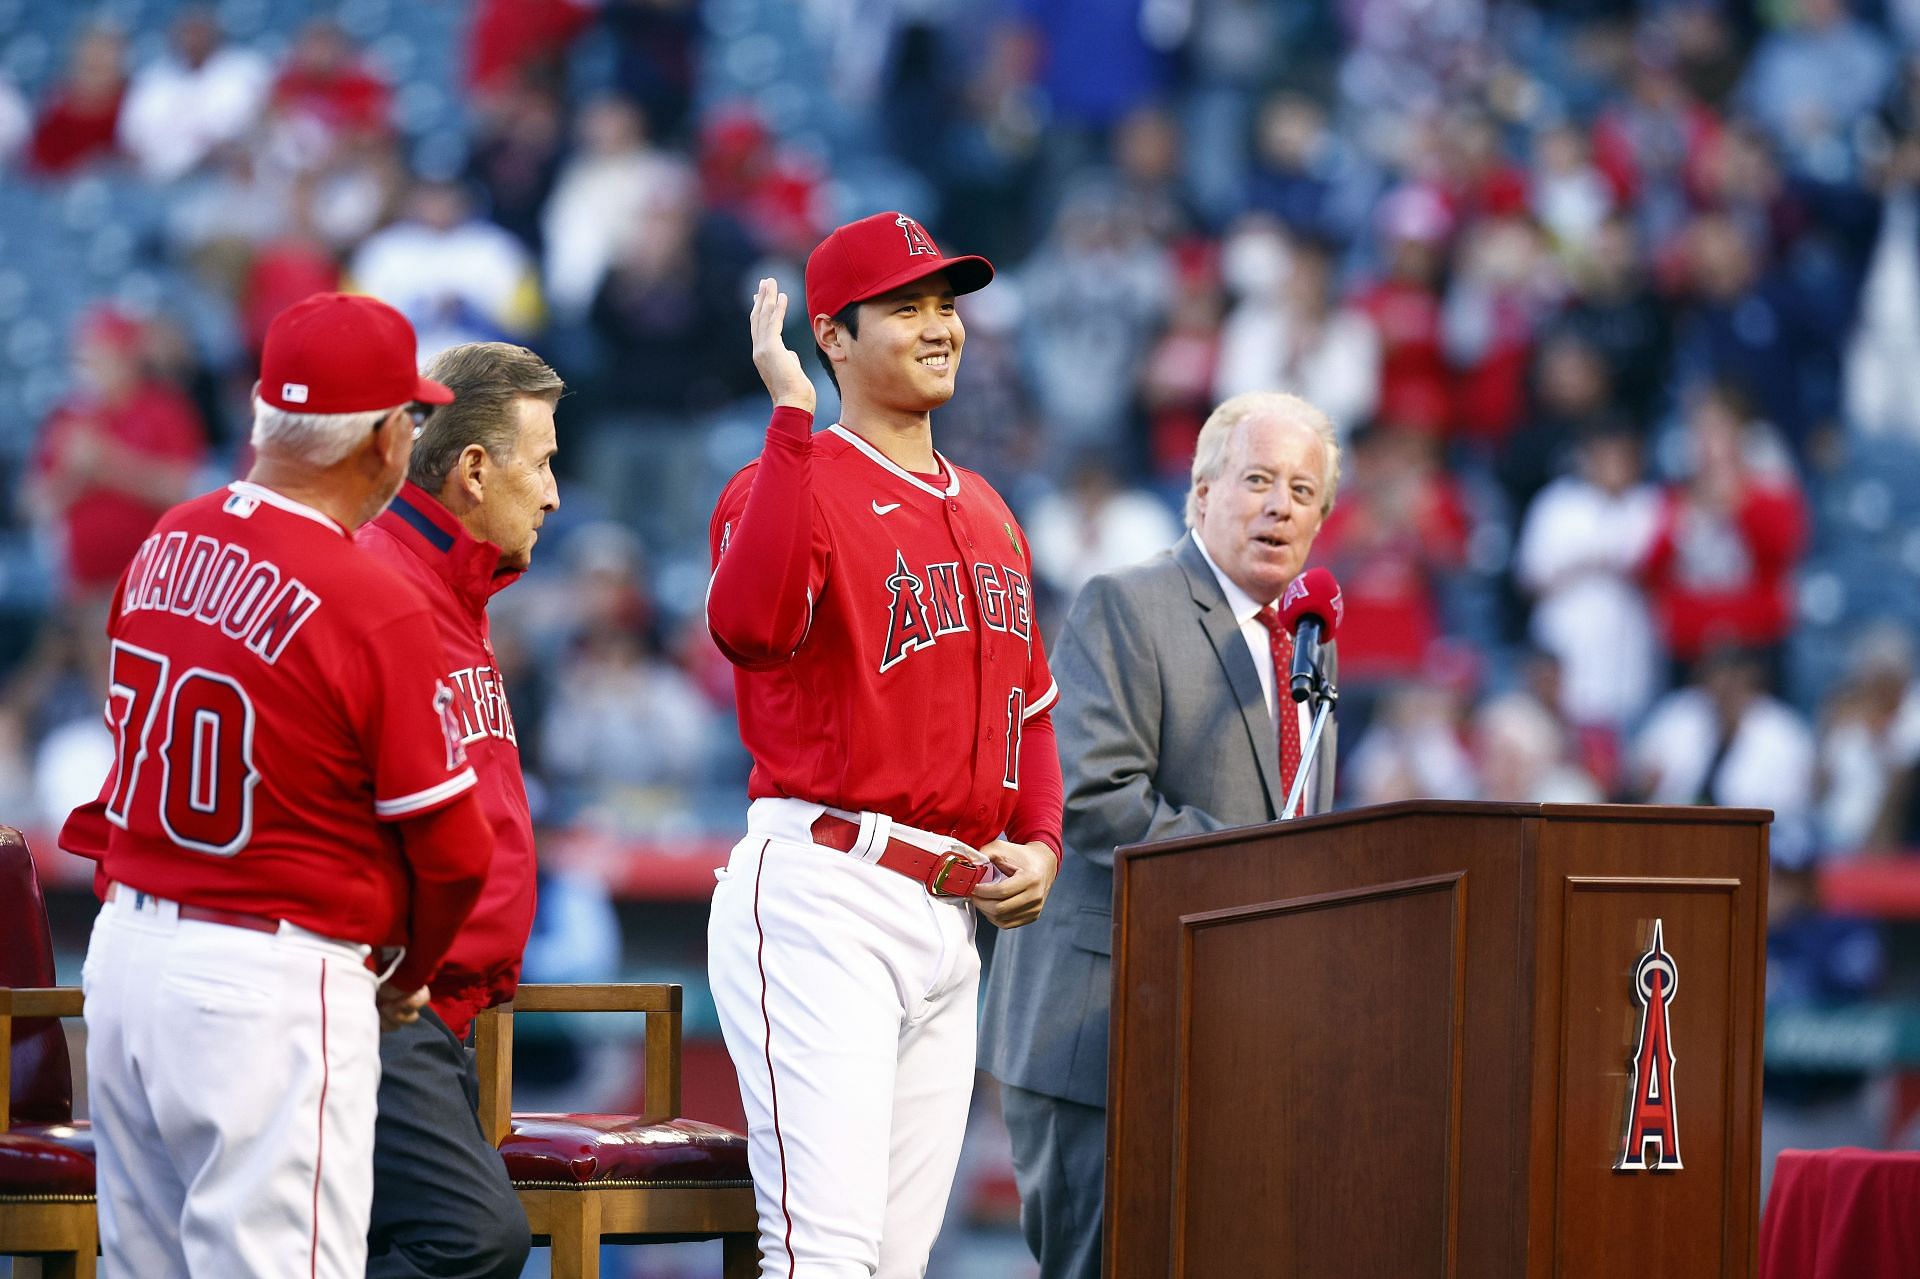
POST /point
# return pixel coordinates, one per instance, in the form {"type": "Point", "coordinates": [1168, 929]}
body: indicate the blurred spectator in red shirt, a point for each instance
{"type": "Point", "coordinates": [1475, 177]}
{"type": "Point", "coordinates": [1721, 563]}
{"type": "Point", "coordinates": [775, 194]}
{"type": "Point", "coordinates": [516, 42]}
{"type": "Point", "coordinates": [1405, 309]}
{"type": "Point", "coordinates": [1651, 143]}
{"type": "Point", "coordinates": [324, 90]}
{"type": "Point", "coordinates": [113, 456]}
{"type": "Point", "coordinates": [79, 121]}
{"type": "Point", "coordinates": [1503, 286]}
{"type": "Point", "coordinates": [295, 266]}
{"type": "Point", "coordinates": [1177, 377]}
{"type": "Point", "coordinates": [1399, 525]}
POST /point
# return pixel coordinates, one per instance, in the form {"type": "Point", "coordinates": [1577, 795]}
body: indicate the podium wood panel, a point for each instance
{"type": "Point", "coordinates": [1396, 1042]}
{"type": "Point", "coordinates": [1276, 1067]}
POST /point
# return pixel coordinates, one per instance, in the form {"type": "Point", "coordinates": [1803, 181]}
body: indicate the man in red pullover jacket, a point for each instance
{"type": "Point", "coordinates": [479, 486]}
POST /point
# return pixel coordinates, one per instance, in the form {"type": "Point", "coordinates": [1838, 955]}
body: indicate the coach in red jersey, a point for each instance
{"type": "Point", "coordinates": [462, 529]}
{"type": "Point", "coordinates": [290, 790]}
{"type": "Point", "coordinates": [877, 604]}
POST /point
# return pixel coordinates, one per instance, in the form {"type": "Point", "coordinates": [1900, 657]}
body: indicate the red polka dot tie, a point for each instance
{"type": "Point", "coordinates": [1280, 644]}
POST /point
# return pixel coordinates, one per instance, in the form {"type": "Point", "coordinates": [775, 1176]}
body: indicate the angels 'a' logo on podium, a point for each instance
{"type": "Point", "coordinates": [1652, 1138]}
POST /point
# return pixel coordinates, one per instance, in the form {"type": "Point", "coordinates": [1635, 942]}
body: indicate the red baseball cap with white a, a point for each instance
{"type": "Point", "coordinates": [343, 353]}
{"type": "Point", "coordinates": [864, 259]}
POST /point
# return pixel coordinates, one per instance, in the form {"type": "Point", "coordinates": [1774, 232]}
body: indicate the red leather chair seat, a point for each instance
{"type": "Point", "coordinates": [579, 1149]}
{"type": "Point", "coordinates": [31, 1164]}
{"type": "Point", "coordinates": [76, 1136]}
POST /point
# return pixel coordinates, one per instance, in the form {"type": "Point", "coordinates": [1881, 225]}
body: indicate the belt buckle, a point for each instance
{"type": "Point", "coordinates": [937, 885]}
{"type": "Point", "coordinates": [956, 854]}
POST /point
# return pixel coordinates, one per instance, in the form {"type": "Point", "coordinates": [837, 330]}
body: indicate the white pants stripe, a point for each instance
{"type": "Point", "coordinates": [232, 1076]}
{"type": "Point", "coordinates": [847, 996]}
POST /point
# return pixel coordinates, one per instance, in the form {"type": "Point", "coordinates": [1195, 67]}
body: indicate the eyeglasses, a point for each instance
{"type": "Point", "coordinates": [419, 414]}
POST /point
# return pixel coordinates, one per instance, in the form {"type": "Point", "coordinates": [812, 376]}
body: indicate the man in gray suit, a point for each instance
{"type": "Point", "coordinates": [1166, 728]}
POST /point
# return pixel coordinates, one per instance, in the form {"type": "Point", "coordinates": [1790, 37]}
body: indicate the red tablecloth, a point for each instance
{"type": "Point", "coordinates": [1842, 1214]}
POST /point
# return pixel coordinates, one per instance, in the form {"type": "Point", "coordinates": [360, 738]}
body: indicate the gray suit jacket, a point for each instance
{"type": "Point", "coordinates": [1163, 732]}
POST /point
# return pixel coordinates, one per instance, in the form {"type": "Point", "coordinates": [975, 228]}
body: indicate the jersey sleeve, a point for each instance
{"type": "Point", "coordinates": [85, 832]}
{"type": "Point", "coordinates": [1038, 809]}
{"type": "Point", "coordinates": [1042, 691]}
{"type": "Point", "coordinates": [406, 720]}
{"type": "Point", "coordinates": [770, 550]}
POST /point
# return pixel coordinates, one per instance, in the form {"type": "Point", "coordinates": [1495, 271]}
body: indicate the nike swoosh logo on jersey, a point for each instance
{"type": "Point", "coordinates": [882, 510]}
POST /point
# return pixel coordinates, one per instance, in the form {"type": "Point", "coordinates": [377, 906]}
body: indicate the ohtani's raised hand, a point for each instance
{"type": "Point", "coordinates": [779, 367]}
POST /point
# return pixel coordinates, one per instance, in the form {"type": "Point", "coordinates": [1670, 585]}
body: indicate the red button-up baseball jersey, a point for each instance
{"type": "Point", "coordinates": [455, 573]}
{"type": "Point", "coordinates": [883, 635]}
{"type": "Point", "coordinates": [274, 709]}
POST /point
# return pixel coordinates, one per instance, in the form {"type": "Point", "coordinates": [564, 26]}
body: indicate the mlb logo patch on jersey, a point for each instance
{"type": "Point", "coordinates": [241, 505]}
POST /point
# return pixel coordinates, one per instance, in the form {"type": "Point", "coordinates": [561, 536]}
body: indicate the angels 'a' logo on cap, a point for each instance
{"type": "Point", "coordinates": [918, 241]}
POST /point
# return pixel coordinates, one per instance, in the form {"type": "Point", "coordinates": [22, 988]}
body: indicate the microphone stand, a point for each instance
{"type": "Point", "coordinates": [1324, 695]}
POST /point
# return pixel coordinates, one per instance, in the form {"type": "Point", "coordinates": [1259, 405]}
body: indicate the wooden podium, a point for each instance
{"type": "Point", "coordinates": [1401, 1042]}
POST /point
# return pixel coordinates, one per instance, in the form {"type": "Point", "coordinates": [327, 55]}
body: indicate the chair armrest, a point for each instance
{"type": "Point", "coordinates": [598, 998]}
{"type": "Point", "coordinates": [493, 1043]}
{"type": "Point", "coordinates": [41, 1001]}
{"type": "Point", "coordinates": [28, 1001]}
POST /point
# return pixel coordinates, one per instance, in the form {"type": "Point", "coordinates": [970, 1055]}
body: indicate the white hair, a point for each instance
{"type": "Point", "coordinates": [1210, 450]}
{"type": "Point", "coordinates": [318, 439]}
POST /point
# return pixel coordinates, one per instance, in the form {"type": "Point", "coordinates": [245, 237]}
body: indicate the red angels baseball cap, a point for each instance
{"type": "Point", "coordinates": [864, 259]}
{"type": "Point", "coordinates": [343, 353]}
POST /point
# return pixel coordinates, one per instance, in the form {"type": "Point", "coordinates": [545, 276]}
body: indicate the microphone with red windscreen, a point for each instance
{"type": "Point", "coordinates": [1312, 609]}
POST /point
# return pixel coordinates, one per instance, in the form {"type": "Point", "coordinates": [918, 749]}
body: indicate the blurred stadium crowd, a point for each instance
{"type": "Point", "coordinates": [1617, 306]}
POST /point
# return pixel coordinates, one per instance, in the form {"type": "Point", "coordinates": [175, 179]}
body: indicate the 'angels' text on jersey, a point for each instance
{"type": "Point", "coordinates": [923, 605]}
{"type": "Point", "coordinates": [480, 704]}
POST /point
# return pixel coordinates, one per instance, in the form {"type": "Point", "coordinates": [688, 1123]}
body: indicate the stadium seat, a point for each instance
{"type": "Point", "coordinates": [586, 1179]}
{"type": "Point", "coordinates": [46, 1160]}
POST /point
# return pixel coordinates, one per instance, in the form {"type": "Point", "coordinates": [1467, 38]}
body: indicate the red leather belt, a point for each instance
{"type": "Point", "coordinates": [944, 874]}
{"type": "Point", "coordinates": [231, 919]}
{"type": "Point", "coordinates": [207, 914]}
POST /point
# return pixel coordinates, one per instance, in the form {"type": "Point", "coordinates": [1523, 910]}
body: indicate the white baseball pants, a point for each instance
{"type": "Point", "coordinates": [232, 1077]}
{"type": "Point", "coordinates": [847, 996]}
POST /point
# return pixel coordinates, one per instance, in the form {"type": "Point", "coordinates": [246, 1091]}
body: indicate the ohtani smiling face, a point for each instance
{"type": "Point", "coordinates": [908, 350]}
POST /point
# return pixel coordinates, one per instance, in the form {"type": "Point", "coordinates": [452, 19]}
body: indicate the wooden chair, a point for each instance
{"type": "Point", "coordinates": [648, 1178]}
{"type": "Point", "coordinates": [47, 1208]}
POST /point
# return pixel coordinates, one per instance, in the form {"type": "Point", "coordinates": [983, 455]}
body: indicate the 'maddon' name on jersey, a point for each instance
{"type": "Point", "coordinates": [219, 584]}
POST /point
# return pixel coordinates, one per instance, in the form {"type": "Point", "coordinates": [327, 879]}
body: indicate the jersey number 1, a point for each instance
{"type": "Point", "coordinates": [1016, 721]}
{"type": "Point", "coordinates": [206, 754]}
